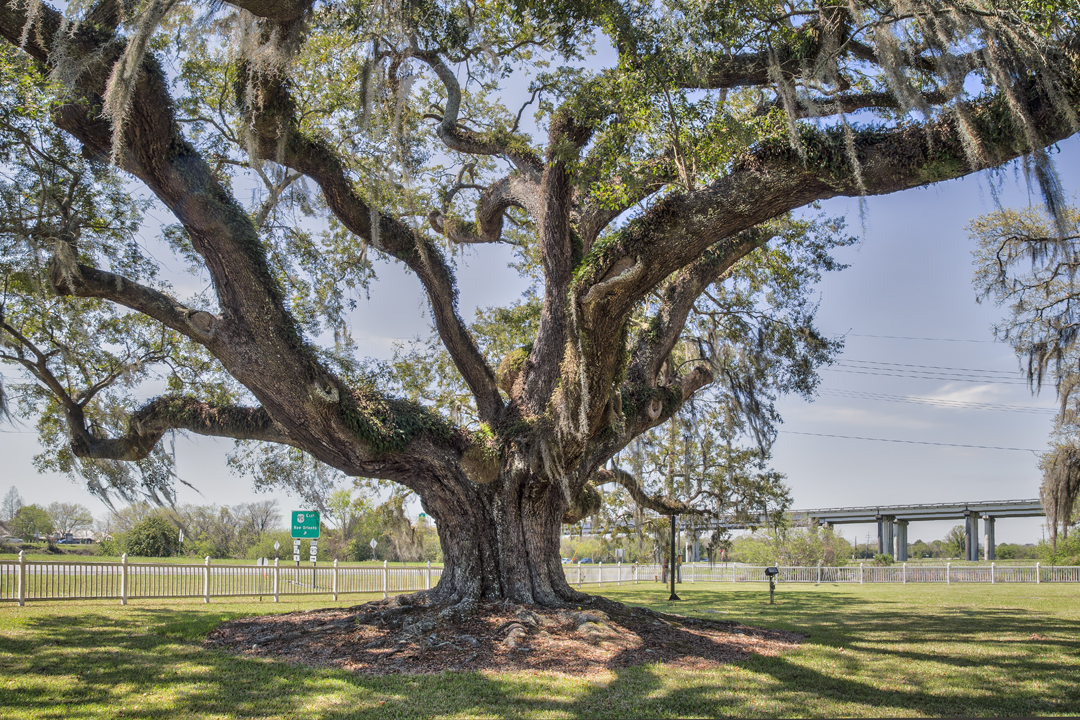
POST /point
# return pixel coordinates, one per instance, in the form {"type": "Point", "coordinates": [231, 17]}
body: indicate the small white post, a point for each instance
{"type": "Point", "coordinates": [636, 579]}
{"type": "Point", "coordinates": [22, 579]}
{"type": "Point", "coordinates": [948, 573]}
{"type": "Point", "coordinates": [600, 574]}
{"type": "Point", "coordinates": [385, 579]}
{"type": "Point", "coordinates": [277, 571]}
{"type": "Point", "coordinates": [579, 574]}
{"type": "Point", "coordinates": [333, 586]}
{"type": "Point", "coordinates": [1038, 574]}
{"type": "Point", "coordinates": [123, 579]}
{"type": "Point", "coordinates": [427, 576]}
{"type": "Point", "coordinates": [818, 572]}
{"type": "Point", "coordinates": [860, 574]}
{"type": "Point", "coordinates": [206, 580]}
{"type": "Point", "coordinates": [733, 573]}
{"type": "Point", "coordinates": [904, 573]}
{"type": "Point", "coordinates": [693, 573]}
{"type": "Point", "coordinates": [618, 573]}
{"type": "Point", "coordinates": [992, 580]}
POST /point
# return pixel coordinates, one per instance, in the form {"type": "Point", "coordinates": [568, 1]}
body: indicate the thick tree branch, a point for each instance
{"type": "Point", "coordinates": [277, 137]}
{"type": "Point", "coordinates": [153, 420]}
{"type": "Point", "coordinates": [87, 281]}
{"type": "Point", "coordinates": [677, 299]}
{"type": "Point", "coordinates": [662, 505]}
{"type": "Point", "coordinates": [512, 191]}
{"type": "Point", "coordinates": [280, 10]}
{"type": "Point", "coordinates": [463, 140]}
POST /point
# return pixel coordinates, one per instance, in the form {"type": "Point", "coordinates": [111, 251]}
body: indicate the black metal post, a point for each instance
{"type": "Point", "coordinates": [673, 595]}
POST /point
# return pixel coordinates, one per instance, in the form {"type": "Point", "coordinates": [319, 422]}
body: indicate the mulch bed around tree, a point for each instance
{"type": "Point", "coordinates": [391, 637]}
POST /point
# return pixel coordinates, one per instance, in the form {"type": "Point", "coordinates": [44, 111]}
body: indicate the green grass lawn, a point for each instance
{"type": "Point", "coordinates": [869, 651]}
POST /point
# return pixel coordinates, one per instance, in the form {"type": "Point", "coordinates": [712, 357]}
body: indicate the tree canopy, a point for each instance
{"type": "Point", "coordinates": [642, 159]}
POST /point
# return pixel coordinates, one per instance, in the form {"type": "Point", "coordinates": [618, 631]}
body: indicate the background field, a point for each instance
{"type": "Point", "coordinates": [869, 651]}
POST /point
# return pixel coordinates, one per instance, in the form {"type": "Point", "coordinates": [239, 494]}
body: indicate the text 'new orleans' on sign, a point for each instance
{"type": "Point", "coordinates": [305, 524]}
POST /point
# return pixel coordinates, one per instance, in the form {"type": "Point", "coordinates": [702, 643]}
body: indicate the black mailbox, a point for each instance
{"type": "Point", "coordinates": [771, 573]}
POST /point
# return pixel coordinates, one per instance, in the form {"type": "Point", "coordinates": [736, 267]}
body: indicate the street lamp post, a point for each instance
{"type": "Point", "coordinates": [672, 566]}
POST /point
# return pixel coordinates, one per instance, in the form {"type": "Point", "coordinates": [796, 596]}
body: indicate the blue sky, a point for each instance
{"type": "Point", "coordinates": [908, 308]}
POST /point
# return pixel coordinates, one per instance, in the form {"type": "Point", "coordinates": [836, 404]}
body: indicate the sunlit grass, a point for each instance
{"type": "Point", "coordinates": [869, 651]}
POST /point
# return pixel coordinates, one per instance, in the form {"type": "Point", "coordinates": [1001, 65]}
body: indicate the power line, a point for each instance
{"type": "Point", "coordinates": [937, 402]}
{"type": "Point", "coordinates": [906, 337]}
{"type": "Point", "coordinates": [1010, 373]}
{"type": "Point", "coordinates": [940, 376]}
{"type": "Point", "coordinates": [911, 442]}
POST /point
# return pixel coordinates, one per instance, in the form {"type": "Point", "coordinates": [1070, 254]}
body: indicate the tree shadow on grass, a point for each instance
{"type": "Point", "coordinates": [147, 662]}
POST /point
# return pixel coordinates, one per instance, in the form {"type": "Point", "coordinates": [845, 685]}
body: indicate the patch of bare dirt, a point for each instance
{"type": "Point", "coordinates": [390, 637]}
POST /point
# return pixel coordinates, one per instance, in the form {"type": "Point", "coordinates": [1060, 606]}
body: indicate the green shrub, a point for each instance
{"type": "Point", "coordinates": [153, 537]}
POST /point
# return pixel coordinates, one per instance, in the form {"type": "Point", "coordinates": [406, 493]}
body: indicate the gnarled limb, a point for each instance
{"type": "Point", "coordinates": [276, 136]}
{"type": "Point", "coordinates": [677, 299]}
{"type": "Point", "coordinates": [463, 140]}
{"type": "Point", "coordinates": [87, 282]}
{"type": "Point", "coordinates": [280, 10]}
{"type": "Point", "coordinates": [662, 505]}
{"type": "Point", "coordinates": [148, 424]}
{"type": "Point", "coordinates": [513, 191]}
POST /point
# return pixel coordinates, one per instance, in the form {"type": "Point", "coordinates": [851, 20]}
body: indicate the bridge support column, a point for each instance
{"type": "Point", "coordinates": [881, 522]}
{"type": "Point", "coordinates": [901, 541]}
{"type": "Point", "coordinates": [972, 534]}
{"type": "Point", "coordinates": [888, 527]}
{"type": "Point", "coordinates": [988, 527]}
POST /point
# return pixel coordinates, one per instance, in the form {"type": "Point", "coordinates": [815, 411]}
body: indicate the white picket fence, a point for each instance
{"type": "Point", "coordinates": [25, 580]}
{"type": "Point", "coordinates": [619, 573]}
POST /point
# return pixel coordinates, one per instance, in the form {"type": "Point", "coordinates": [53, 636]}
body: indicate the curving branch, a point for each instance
{"type": "Point", "coordinates": [284, 11]}
{"type": "Point", "coordinates": [276, 136]}
{"type": "Point", "coordinates": [677, 299]}
{"type": "Point", "coordinates": [662, 505]}
{"type": "Point", "coordinates": [461, 139]}
{"type": "Point", "coordinates": [514, 191]}
{"type": "Point", "coordinates": [148, 424]}
{"type": "Point", "coordinates": [89, 282]}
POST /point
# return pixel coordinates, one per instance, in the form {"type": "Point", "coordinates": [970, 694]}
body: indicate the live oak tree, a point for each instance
{"type": "Point", "coordinates": [379, 128]}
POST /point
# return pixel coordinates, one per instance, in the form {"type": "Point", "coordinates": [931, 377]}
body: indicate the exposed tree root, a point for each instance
{"type": "Point", "coordinates": [408, 635]}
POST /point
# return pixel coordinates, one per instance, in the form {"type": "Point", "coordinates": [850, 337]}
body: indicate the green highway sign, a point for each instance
{"type": "Point", "coordinates": [305, 524]}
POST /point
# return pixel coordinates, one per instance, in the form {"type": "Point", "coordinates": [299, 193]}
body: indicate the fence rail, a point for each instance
{"type": "Point", "coordinates": [25, 580]}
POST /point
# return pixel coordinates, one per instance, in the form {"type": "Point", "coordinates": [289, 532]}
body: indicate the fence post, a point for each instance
{"type": "Point", "coordinates": [860, 574]}
{"type": "Point", "coordinates": [948, 573]}
{"type": "Point", "coordinates": [732, 572]}
{"type": "Point", "coordinates": [333, 586]}
{"type": "Point", "coordinates": [22, 579]}
{"type": "Point", "coordinates": [693, 572]}
{"type": "Point", "coordinates": [636, 580]}
{"type": "Point", "coordinates": [618, 573]}
{"type": "Point", "coordinates": [123, 579]}
{"type": "Point", "coordinates": [427, 576]}
{"type": "Point", "coordinates": [600, 574]}
{"type": "Point", "coordinates": [277, 571]}
{"type": "Point", "coordinates": [206, 581]}
{"type": "Point", "coordinates": [992, 579]}
{"type": "Point", "coordinates": [818, 572]}
{"type": "Point", "coordinates": [1038, 574]}
{"type": "Point", "coordinates": [385, 578]}
{"type": "Point", "coordinates": [904, 573]}
{"type": "Point", "coordinates": [579, 574]}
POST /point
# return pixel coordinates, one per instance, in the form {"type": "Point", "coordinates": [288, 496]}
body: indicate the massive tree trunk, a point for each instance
{"type": "Point", "coordinates": [501, 541]}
